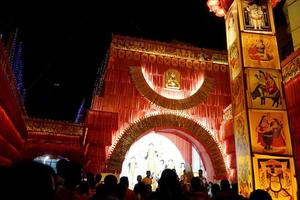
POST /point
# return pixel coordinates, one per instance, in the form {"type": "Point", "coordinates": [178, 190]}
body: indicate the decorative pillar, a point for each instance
{"type": "Point", "coordinates": [261, 126]}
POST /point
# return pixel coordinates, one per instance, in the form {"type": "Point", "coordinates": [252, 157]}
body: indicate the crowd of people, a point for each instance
{"type": "Point", "coordinates": [32, 180]}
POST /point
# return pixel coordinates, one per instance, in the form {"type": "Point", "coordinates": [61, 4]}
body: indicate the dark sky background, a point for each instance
{"type": "Point", "coordinates": [64, 45]}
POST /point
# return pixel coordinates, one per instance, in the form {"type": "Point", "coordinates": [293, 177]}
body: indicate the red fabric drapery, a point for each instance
{"type": "Point", "coordinates": [293, 102]}
{"type": "Point", "coordinates": [130, 105]}
{"type": "Point", "coordinates": [120, 95]}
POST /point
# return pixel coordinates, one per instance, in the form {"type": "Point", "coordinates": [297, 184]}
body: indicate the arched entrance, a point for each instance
{"type": "Point", "coordinates": [187, 127]}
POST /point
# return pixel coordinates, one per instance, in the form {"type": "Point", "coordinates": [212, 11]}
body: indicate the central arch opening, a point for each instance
{"type": "Point", "coordinates": [163, 148]}
{"type": "Point", "coordinates": [174, 127]}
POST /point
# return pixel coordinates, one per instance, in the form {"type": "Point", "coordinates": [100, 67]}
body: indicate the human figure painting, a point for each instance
{"type": "Point", "coordinates": [264, 89]}
{"type": "Point", "coordinates": [276, 175]}
{"type": "Point", "coordinates": [270, 132]}
{"type": "Point", "coordinates": [260, 51]}
{"type": "Point", "coordinates": [255, 15]}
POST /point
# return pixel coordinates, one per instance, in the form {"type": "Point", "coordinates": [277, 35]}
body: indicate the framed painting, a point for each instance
{"type": "Point", "coordinates": [269, 131]}
{"type": "Point", "coordinates": [276, 175]}
{"type": "Point", "coordinates": [232, 26]}
{"type": "Point", "coordinates": [233, 44]}
{"type": "Point", "coordinates": [260, 51]}
{"type": "Point", "coordinates": [238, 97]}
{"type": "Point", "coordinates": [256, 16]}
{"type": "Point", "coordinates": [172, 79]}
{"type": "Point", "coordinates": [243, 155]}
{"type": "Point", "coordinates": [264, 89]}
{"type": "Point", "coordinates": [234, 60]}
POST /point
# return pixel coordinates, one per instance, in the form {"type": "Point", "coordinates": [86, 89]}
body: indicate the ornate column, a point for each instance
{"type": "Point", "coordinates": [261, 126]}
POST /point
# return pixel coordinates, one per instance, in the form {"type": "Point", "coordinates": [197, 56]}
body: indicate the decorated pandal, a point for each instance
{"type": "Point", "coordinates": [231, 109]}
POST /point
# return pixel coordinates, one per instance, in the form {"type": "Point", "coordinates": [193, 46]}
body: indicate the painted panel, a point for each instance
{"type": "Point", "coordinates": [270, 132]}
{"type": "Point", "coordinates": [243, 156]}
{"type": "Point", "coordinates": [260, 51]}
{"type": "Point", "coordinates": [276, 175]}
{"type": "Point", "coordinates": [233, 41]}
{"type": "Point", "coordinates": [256, 16]}
{"type": "Point", "coordinates": [238, 97]}
{"type": "Point", "coordinates": [264, 89]}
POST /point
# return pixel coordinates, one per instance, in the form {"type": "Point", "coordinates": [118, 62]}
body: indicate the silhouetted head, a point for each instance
{"type": "Point", "coordinates": [62, 166]}
{"type": "Point", "coordinates": [225, 185]}
{"type": "Point", "coordinates": [124, 181]}
{"type": "Point", "coordinates": [73, 175]}
{"type": "Point", "coordinates": [215, 189]}
{"type": "Point", "coordinates": [195, 184]}
{"type": "Point", "coordinates": [200, 172]}
{"type": "Point", "coordinates": [260, 195]}
{"type": "Point", "coordinates": [148, 173]}
{"type": "Point", "coordinates": [110, 184]}
{"type": "Point", "coordinates": [30, 180]}
{"type": "Point", "coordinates": [98, 178]}
{"type": "Point", "coordinates": [110, 180]}
{"type": "Point", "coordinates": [139, 178]}
{"type": "Point", "coordinates": [168, 178]}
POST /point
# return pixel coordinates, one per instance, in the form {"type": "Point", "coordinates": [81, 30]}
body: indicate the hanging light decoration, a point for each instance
{"type": "Point", "coordinates": [215, 6]}
{"type": "Point", "coordinates": [220, 7]}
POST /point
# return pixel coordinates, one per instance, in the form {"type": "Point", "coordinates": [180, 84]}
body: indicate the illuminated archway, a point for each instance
{"type": "Point", "coordinates": [194, 129]}
{"type": "Point", "coordinates": [175, 104]}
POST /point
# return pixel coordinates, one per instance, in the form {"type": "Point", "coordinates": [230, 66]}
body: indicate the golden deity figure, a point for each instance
{"type": "Point", "coordinates": [172, 79]}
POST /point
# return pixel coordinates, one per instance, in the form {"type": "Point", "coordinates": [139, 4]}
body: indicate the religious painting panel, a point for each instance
{"type": "Point", "coordinates": [264, 89]}
{"type": "Point", "coordinates": [243, 155]}
{"type": "Point", "coordinates": [231, 22]}
{"type": "Point", "coordinates": [260, 51]}
{"type": "Point", "coordinates": [270, 132]}
{"type": "Point", "coordinates": [291, 70]}
{"type": "Point", "coordinates": [276, 175]}
{"type": "Point", "coordinates": [234, 59]}
{"type": "Point", "coordinates": [256, 16]}
{"type": "Point", "coordinates": [238, 97]}
{"type": "Point", "coordinates": [172, 79]}
{"type": "Point", "coordinates": [233, 44]}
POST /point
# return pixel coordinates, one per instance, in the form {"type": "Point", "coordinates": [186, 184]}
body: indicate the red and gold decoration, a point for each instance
{"type": "Point", "coordinates": [197, 92]}
{"type": "Point", "coordinates": [167, 102]}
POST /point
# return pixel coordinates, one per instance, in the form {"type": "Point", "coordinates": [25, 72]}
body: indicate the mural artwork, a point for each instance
{"type": "Point", "coordinates": [264, 89]}
{"type": "Point", "coordinates": [260, 51]}
{"type": "Point", "coordinates": [270, 132]}
{"type": "Point", "coordinates": [243, 155]}
{"type": "Point", "coordinates": [234, 60]}
{"type": "Point", "coordinates": [256, 16]}
{"type": "Point", "coordinates": [232, 32]}
{"type": "Point", "coordinates": [172, 79]}
{"type": "Point", "coordinates": [238, 98]}
{"type": "Point", "coordinates": [291, 70]}
{"type": "Point", "coordinates": [276, 175]}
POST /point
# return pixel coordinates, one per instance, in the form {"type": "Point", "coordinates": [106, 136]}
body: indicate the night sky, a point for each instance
{"type": "Point", "coordinates": [64, 45]}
